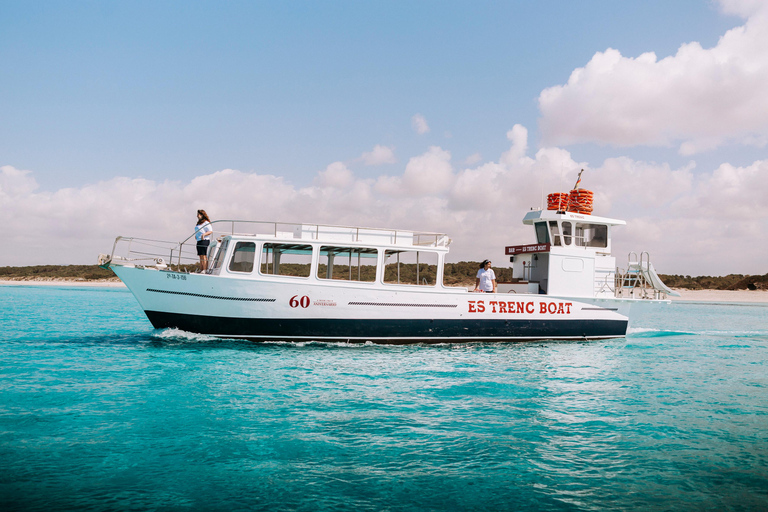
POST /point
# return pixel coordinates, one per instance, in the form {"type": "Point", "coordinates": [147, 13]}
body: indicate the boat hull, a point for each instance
{"type": "Point", "coordinates": [302, 310]}
{"type": "Point", "coordinates": [392, 330]}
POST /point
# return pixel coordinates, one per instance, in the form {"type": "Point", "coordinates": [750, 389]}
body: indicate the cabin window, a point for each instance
{"type": "Point", "coordinates": [286, 260]}
{"type": "Point", "coordinates": [555, 231]}
{"type": "Point", "coordinates": [592, 235]}
{"type": "Point", "coordinates": [542, 235]}
{"type": "Point", "coordinates": [567, 233]}
{"type": "Point", "coordinates": [219, 261]}
{"type": "Point", "coordinates": [243, 257]}
{"type": "Point", "coordinates": [347, 263]}
{"type": "Point", "coordinates": [418, 268]}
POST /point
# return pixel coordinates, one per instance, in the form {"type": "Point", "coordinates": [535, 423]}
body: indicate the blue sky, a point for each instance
{"type": "Point", "coordinates": [152, 93]}
{"type": "Point", "coordinates": [177, 89]}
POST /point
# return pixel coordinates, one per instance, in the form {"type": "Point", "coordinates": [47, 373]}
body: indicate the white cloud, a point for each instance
{"type": "Point", "coordinates": [419, 124]}
{"type": "Point", "coordinates": [389, 185]}
{"type": "Point", "coordinates": [518, 136]}
{"type": "Point", "coordinates": [430, 173]}
{"type": "Point", "coordinates": [698, 98]}
{"type": "Point", "coordinates": [14, 182]}
{"type": "Point", "coordinates": [643, 183]}
{"type": "Point", "coordinates": [683, 218]}
{"type": "Point", "coordinates": [335, 175]}
{"type": "Point", "coordinates": [473, 159]}
{"type": "Point", "coordinates": [475, 188]}
{"type": "Point", "coordinates": [743, 8]}
{"type": "Point", "coordinates": [379, 155]}
{"type": "Point", "coordinates": [705, 223]}
{"type": "Point", "coordinates": [735, 192]}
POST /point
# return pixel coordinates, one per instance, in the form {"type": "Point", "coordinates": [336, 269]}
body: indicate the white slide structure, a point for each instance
{"type": "Point", "coordinates": [645, 268]}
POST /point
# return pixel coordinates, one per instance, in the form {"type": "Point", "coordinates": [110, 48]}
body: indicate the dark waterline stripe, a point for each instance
{"type": "Point", "coordinates": [389, 330]}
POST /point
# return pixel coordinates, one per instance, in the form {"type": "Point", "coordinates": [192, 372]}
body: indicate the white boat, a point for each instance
{"type": "Point", "coordinates": [298, 282]}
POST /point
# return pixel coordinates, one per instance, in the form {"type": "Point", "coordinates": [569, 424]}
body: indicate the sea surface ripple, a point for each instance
{"type": "Point", "coordinates": [98, 411]}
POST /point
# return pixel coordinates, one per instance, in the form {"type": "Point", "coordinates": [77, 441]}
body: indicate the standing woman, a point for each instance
{"type": "Point", "coordinates": [486, 278]}
{"type": "Point", "coordinates": [203, 232]}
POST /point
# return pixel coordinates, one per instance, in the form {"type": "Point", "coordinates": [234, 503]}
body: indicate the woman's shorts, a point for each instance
{"type": "Point", "coordinates": [202, 247]}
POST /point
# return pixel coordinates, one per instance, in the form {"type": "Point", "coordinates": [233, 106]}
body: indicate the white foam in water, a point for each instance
{"type": "Point", "coordinates": [179, 335]}
{"type": "Point", "coordinates": [334, 344]}
{"type": "Point", "coordinates": [641, 330]}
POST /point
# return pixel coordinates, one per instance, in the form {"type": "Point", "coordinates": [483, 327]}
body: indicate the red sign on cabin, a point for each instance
{"type": "Point", "coordinates": [526, 249]}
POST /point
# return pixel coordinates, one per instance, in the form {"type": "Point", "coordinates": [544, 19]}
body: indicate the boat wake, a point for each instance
{"type": "Point", "coordinates": [641, 332]}
{"type": "Point", "coordinates": [177, 335]}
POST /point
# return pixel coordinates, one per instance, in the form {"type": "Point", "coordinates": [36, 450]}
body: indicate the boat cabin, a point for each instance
{"type": "Point", "coordinates": [571, 256]}
{"type": "Point", "coordinates": [341, 254]}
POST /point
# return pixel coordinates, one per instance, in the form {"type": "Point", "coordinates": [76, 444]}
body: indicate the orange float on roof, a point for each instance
{"type": "Point", "coordinates": [581, 201]}
{"type": "Point", "coordinates": [558, 201]}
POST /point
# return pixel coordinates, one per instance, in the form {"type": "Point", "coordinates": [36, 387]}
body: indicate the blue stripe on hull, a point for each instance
{"type": "Point", "coordinates": [389, 331]}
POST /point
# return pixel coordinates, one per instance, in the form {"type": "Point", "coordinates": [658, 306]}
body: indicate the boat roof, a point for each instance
{"type": "Point", "coordinates": [536, 215]}
{"type": "Point", "coordinates": [328, 233]}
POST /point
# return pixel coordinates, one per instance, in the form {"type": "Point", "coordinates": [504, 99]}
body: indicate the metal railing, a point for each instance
{"type": "Point", "coordinates": [633, 281]}
{"type": "Point", "coordinates": [148, 252]}
{"type": "Point", "coordinates": [145, 251]}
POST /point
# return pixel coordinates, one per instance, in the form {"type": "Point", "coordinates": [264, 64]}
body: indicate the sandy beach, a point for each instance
{"type": "Point", "coordinates": [101, 283]}
{"type": "Point", "coordinates": [721, 295]}
{"type": "Point", "coordinates": [755, 296]}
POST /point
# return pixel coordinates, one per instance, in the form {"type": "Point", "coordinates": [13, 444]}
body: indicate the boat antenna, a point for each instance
{"type": "Point", "coordinates": [578, 180]}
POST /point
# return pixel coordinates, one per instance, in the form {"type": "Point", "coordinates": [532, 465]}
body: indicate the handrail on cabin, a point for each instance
{"type": "Point", "coordinates": [175, 250]}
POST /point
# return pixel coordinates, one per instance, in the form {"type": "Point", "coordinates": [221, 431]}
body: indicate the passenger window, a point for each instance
{"type": "Point", "coordinates": [567, 232]}
{"type": "Point", "coordinates": [286, 260]}
{"type": "Point", "coordinates": [347, 263]}
{"type": "Point", "coordinates": [418, 268]}
{"type": "Point", "coordinates": [243, 257]}
{"type": "Point", "coordinates": [555, 231]}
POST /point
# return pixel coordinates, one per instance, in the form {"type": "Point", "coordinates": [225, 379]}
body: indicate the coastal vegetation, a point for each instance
{"type": "Point", "coordinates": [729, 282]}
{"type": "Point", "coordinates": [57, 273]}
{"type": "Point", "coordinates": [456, 274]}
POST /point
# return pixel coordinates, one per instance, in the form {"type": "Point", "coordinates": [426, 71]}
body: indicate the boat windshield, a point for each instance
{"type": "Point", "coordinates": [555, 232]}
{"type": "Point", "coordinates": [220, 254]}
{"type": "Point", "coordinates": [542, 234]}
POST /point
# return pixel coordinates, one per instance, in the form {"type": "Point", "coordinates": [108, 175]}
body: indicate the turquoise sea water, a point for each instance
{"type": "Point", "coordinates": [98, 411]}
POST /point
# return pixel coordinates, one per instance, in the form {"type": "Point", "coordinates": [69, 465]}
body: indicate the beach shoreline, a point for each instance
{"type": "Point", "coordinates": [756, 296]}
{"type": "Point", "coordinates": [96, 283]}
